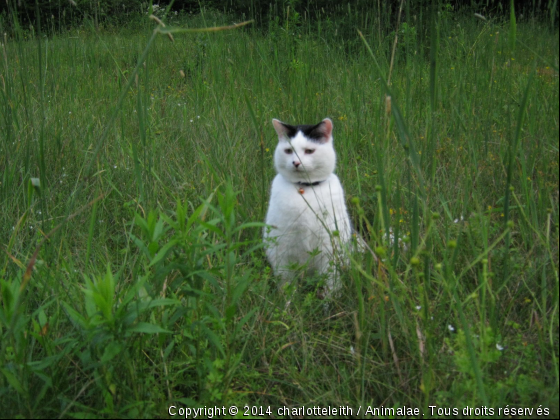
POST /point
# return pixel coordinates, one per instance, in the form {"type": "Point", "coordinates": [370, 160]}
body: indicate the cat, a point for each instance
{"type": "Point", "coordinates": [307, 211]}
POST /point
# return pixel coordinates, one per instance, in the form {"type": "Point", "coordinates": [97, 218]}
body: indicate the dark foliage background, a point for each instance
{"type": "Point", "coordinates": [69, 13]}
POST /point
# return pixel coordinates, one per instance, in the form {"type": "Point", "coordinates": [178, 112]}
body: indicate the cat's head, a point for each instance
{"type": "Point", "coordinates": [305, 153]}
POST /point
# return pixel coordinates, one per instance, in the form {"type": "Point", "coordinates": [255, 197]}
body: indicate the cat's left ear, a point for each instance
{"type": "Point", "coordinates": [322, 131]}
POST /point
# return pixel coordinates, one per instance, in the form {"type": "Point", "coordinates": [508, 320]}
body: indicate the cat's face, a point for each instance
{"type": "Point", "coordinates": [304, 153]}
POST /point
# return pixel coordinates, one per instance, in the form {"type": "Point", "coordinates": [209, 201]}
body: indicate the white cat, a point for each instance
{"type": "Point", "coordinates": [307, 216]}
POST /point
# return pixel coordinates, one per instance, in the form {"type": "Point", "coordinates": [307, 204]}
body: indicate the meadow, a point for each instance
{"type": "Point", "coordinates": [134, 178]}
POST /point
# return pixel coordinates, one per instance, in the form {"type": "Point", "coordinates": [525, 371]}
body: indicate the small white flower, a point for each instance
{"type": "Point", "coordinates": [198, 117]}
{"type": "Point", "coordinates": [352, 351]}
{"type": "Point", "coordinates": [115, 166]}
{"type": "Point", "coordinates": [418, 307]}
{"type": "Point", "coordinates": [191, 120]}
{"type": "Point", "coordinates": [451, 328]}
{"type": "Point", "coordinates": [499, 347]}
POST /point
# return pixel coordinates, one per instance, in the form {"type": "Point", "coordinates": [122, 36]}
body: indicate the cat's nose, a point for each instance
{"type": "Point", "coordinates": [296, 164]}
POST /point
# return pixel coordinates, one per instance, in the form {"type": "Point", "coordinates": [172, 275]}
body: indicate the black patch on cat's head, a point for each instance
{"type": "Point", "coordinates": [319, 133]}
{"type": "Point", "coordinates": [312, 132]}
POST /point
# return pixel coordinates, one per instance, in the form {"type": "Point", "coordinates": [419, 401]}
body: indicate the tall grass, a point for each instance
{"type": "Point", "coordinates": [157, 292]}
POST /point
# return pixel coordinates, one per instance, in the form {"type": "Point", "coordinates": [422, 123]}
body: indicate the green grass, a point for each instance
{"type": "Point", "coordinates": [133, 277]}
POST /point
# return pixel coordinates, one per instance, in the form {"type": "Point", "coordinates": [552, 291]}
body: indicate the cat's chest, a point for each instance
{"type": "Point", "coordinates": [290, 200]}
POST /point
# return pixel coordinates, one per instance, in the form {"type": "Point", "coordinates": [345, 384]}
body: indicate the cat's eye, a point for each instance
{"type": "Point", "coordinates": [288, 151]}
{"type": "Point", "coordinates": [309, 151]}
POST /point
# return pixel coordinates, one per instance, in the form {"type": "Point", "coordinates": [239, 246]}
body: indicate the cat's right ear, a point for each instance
{"type": "Point", "coordinates": [283, 130]}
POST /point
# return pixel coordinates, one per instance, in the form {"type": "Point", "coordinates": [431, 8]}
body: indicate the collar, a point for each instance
{"type": "Point", "coordinates": [309, 184]}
